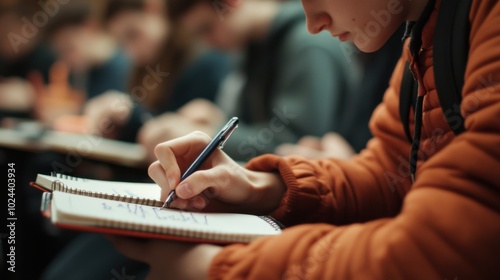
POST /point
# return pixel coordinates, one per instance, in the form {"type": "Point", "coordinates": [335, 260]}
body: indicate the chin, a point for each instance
{"type": "Point", "coordinates": [370, 48]}
{"type": "Point", "coordinates": [370, 44]}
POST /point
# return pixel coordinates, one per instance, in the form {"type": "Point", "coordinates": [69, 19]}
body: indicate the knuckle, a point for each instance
{"type": "Point", "coordinates": [211, 192]}
{"type": "Point", "coordinates": [161, 149]}
{"type": "Point", "coordinates": [151, 169]}
{"type": "Point", "coordinates": [203, 177]}
{"type": "Point", "coordinates": [201, 136]}
{"type": "Point", "coordinates": [223, 175]}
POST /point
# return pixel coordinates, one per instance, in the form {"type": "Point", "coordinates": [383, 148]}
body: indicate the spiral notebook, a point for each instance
{"type": "Point", "coordinates": [118, 208]}
{"type": "Point", "coordinates": [137, 193]}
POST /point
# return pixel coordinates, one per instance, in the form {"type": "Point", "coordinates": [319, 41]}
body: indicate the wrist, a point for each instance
{"type": "Point", "coordinates": [267, 191]}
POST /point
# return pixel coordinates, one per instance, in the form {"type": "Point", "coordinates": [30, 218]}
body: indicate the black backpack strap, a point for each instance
{"type": "Point", "coordinates": [409, 86]}
{"type": "Point", "coordinates": [408, 94]}
{"type": "Point", "coordinates": [451, 52]}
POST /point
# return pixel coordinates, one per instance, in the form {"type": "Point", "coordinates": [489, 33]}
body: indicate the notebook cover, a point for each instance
{"type": "Point", "coordinates": [34, 185]}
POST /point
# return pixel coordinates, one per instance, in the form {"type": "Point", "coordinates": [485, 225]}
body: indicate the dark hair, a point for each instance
{"type": "Point", "coordinates": [18, 7]}
{"type": "Point", "coordinates": [74, 13]}
{"type": "Point", "coordinates": [177, 8]}
{"type": "Point", "coordinates": [114, 7]}
{"type": "Point", "coordinates": [175, 54]}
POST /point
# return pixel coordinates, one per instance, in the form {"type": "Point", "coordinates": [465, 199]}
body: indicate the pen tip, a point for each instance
{"type": "Point", "coordinates": [164, 205]}
{"type": "Point", "coordinates": [170, 198]}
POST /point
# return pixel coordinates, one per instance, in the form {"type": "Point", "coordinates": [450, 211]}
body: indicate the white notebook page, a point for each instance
{"type": "Point", "coordinates": [82, 210]}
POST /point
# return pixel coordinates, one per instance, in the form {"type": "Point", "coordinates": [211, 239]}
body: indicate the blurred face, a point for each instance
{"type": "Point", "coordinates": [71, 45]}
{"type": "Point", "coordinates": [225, 33]}
{"type": "Point", "coordinates": [367, 23]}
{"type": "Point", "coordinates": [141, 34]}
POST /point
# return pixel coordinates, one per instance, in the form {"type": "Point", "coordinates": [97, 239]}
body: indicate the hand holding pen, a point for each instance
{"type": "Point", "coordinates": [208, 170]}
{"type": "Point", "coordinates": [217, 142]}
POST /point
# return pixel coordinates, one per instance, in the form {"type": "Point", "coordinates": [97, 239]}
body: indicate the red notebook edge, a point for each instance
{"type": "Point", "coordinates": [36, 186]}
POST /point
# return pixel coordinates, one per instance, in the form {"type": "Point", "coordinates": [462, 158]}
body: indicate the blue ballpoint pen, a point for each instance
{"type": "Point", "coordinates": [217, 142]}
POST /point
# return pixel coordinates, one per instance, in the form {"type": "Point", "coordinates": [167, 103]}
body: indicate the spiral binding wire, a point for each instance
{"type": "Point", "coordinates": [67, 177]}
{"type": "Point", "coordinates": [273, 222]}
{"type": "Point", "coordinates": [60, 186]}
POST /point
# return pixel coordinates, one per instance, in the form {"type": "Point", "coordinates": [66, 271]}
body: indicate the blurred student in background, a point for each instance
{"type": "Point", "coordinates": [21, 53]}
{"type": "Point", "coordinates": [89, 58]}
{"type": "Point", "coordinates": [353, 132]}
{"type": "Point", "coordinates": [279, 88]}
{"type": "Point", "coordinates": [89, 64]}
{"type": "Point", "coordinates": [92, 54]}
{"type": "Point", "coordinates": [169, 70]}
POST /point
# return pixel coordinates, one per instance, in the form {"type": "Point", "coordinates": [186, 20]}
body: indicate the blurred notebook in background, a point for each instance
{"type": "Point", "coordinates": [133, 209]}
{"type": "Point", "coordinates": [33, 137]}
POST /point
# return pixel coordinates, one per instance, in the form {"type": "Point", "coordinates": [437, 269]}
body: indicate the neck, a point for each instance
{"type": "Point", "coordinates": [259, 15]}
{"type": "Point", "coordinates": [415, 8]}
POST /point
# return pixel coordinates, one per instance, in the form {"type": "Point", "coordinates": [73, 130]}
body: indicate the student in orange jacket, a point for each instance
{"type": "Point", "coordinates": [362, 218]}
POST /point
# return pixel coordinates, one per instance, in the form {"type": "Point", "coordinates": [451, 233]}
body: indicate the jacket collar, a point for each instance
{"type": "Point", "coordinates": [414, 29]}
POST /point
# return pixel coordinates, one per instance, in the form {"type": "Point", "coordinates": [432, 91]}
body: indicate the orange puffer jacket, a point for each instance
{"type": "Point", "coordinates": [365, 219]}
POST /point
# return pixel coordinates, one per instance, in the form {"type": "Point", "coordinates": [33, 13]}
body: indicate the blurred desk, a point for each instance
{"type": "Point", "coordinates": [86, 146]}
